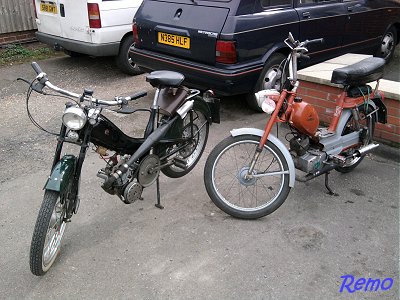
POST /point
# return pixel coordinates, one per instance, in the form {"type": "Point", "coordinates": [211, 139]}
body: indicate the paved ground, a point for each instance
{"type": "Point", "coordinates": [190, 249]}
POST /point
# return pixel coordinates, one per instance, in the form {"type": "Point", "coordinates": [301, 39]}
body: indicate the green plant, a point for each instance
{"type": "Point", "coordinates": [19, 53]}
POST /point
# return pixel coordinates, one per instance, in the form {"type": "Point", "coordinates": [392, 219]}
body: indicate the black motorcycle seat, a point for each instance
{"type": "Point", "coordinates": [160, 79]}
{"type": "Point", "coordinates": [367, 70]}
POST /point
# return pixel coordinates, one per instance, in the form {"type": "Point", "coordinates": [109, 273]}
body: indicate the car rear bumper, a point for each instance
{"type": "Point", "coordinates": [232, 80]}
{"type": "Point", "coordinates": [109, 49]}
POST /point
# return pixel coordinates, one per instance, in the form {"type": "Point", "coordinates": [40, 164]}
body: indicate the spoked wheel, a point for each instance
{"type": "Point", "coordinates": [233, 191]}
{"type": "Point", "coordinates": [366, 122]}
{"type": "Point", "coordinates": [48, 233]}
{"type": "Point", "coordinates": [191, 153]}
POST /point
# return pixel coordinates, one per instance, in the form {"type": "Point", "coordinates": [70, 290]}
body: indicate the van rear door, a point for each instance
{"type": "Point", "coordinates": [74, 19]}
{"type": "Point", "coordinates": [182, 28]}
{"type": "Point", "coordinates": [48, 15]}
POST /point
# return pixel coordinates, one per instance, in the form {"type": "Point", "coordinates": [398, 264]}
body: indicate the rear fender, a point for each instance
{"type": "Point", "coordinates": [276, 142]}
{"type": "Point", "coordinates": [209, 109]}
{"type": "Point", "coordinates": [61, 175]}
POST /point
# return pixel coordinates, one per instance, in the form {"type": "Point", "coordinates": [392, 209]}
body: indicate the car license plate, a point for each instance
{"type": "Point", "coordinates": [174, 40]}
{"type": "Point", "coordinates": [50, 8]}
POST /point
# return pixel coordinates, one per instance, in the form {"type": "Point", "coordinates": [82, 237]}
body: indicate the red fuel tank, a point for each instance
{"type": "Point", "coordinates": [304, 118]}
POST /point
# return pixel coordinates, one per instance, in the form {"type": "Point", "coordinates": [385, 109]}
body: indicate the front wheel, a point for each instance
{"type": "Point", "coordinates": [48, 233]}
{"type": "Point", "coordinates": [190, 154]}
{"type": "Point", "coordinates": [227, 180]}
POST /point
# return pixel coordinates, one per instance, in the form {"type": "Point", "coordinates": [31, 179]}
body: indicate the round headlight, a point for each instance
{"type": "Point", "coordinates": [74, 118]}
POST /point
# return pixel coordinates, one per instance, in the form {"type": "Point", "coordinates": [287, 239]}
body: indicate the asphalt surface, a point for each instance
{"type": "Point", "coordinates": [191, 249]}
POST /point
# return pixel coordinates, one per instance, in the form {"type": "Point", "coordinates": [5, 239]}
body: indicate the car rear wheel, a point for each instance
{"type": "Point", "coordinates": [266, 80]}
{"type": "Point", "coordinates": [123, 61]}
{"type": "Point", "coordinates": [388, 44]}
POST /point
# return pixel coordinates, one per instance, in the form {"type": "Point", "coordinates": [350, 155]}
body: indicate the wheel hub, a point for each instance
{"type": "Point", "coordinates": [244, 180]}
{"type": "Point", "coordinates": [149, 170]}
{"type": "Point", "coordinates": [387, 45]}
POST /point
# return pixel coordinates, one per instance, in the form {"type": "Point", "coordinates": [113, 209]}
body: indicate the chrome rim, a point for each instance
{"type": "Point", "coordinates": [130, 59]}
{"type": "Point", "coordinates": [247, 194]}
{"type": "Point", "coordinates": [387, 45]}
{"type": "Point", "coordinates": [54, 235]}
{"type": "Point", "coordinates": [269, 78]}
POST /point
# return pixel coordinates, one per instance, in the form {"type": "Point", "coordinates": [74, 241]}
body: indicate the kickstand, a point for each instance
{"type": "Point", "coordinates": [330, 192]}
{"type": "Point", "coordinates": [158, 204]}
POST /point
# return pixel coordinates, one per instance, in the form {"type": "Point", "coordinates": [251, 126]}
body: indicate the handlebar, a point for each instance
{"type": "Point", "coordinates": [315, 41]}
{"type": "Point", "coordinates": [37, 68]}
{"type": "Point", "coordinates": [44, 81]}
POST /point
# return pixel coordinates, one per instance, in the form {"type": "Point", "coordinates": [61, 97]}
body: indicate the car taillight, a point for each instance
{"type": "Point", "coordinates": [34, 8]}
{"type": "Point", "coordinates": [94, 15]}
{"type": "Point", "coordinates": [225, 52]}
{"type": "Point", "coordinates": [135, 33]}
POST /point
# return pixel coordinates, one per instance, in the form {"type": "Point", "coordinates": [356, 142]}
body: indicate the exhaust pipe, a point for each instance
{"type": "Point", "coordinates": [365, 150]}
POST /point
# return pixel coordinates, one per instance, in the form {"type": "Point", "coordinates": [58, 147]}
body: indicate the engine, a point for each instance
{"type": "Point", "coordinates": [306, 157]}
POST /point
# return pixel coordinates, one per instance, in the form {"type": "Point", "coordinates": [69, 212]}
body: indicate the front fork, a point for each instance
{"type": "Point", "coordinates": [268, 127]}
{"type": "Point", "coordinates": [69, 191]}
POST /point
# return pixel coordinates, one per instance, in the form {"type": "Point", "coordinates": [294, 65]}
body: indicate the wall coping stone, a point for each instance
{"type": "Point", "coordinates": [321, 73]}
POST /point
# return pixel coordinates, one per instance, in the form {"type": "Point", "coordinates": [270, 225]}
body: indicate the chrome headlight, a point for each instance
{"type": "Point", "coordinates": [74, 117]}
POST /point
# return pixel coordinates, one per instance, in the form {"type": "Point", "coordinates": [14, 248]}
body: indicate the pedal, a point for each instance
{"type": "Point", "coordinates": [180, 163]}
{"type": "Point", "coordinates": [338, 159]}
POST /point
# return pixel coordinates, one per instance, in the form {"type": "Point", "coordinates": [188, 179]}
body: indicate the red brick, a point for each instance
{"type": "Point", "coordinates": [393, 120]}
{"type": "Point", "coordinates": [385, 127]}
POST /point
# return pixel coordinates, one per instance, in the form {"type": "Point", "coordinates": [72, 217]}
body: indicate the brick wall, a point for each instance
{"type": "Point", "coordinates": [323, 98]}
{"type": "Point", "coordinates": [17, 37]}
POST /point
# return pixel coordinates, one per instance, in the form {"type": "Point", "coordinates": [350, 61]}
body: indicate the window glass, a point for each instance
{"type": "Point", "coordinates": [272, 3]}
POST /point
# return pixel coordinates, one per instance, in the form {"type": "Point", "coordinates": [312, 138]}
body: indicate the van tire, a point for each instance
{"type": "Point", "coordinates": [271, 64]}
{"type": "Point", "coordinates": [123, 61]}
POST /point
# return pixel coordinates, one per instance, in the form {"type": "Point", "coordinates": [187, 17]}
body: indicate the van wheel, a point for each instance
{"type": "Point", "coordinates": [265, 81]}
{"type": "Point", "coordinates": [123, 61]}
{"type": "Point", "coordinates": [388, 44]}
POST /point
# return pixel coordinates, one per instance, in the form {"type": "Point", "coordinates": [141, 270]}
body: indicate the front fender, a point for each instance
{"type": "Point", "coordinates": [62, 173]}
{"type": "Point", "coordinates": [277, 143]}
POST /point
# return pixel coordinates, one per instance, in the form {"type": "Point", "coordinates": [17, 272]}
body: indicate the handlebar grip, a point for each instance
{"type": "Point", "coordinates": [36, 67]}
{"type": "Point", "coordinates": [138, 95]}
{"type": "Point", "coordinates": [316, 41]}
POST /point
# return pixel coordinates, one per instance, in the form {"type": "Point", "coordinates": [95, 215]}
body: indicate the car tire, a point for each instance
{"type": "Point", "coordinates": [388, 44]}
{"type": "Point", "coordinates": [123, 61]}
{"type": "Point", "coordinates": [263, 83]}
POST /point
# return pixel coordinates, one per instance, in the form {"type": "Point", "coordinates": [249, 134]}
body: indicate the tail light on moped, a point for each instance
{"type": "Point", "coordinates": [266, 100]}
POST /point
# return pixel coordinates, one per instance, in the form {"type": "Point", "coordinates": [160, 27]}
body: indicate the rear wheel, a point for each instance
{"type": "Point", "coordinates": [123, 61]}
{"type": "Point", "coordinates": [388, 44]}
{"type": "Point", "coordinates": [227, 184]}
{"type": "Point", "coordinates": [267, 79]}
{"type": "Point", "coordinates": [191, 153]}
{"type": "Point", "coordinates": [368, 123]}
{"type": "Point", "coordinates": [48, 233]}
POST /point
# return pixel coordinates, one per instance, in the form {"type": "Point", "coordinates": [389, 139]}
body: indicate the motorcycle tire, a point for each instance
{"type": "Point", "coordinates": [369, 123]}
{"type": "Point", "coordinates": [224, 177]}
{"type": "Point", "coordinates": [48, 233]}
{"type": "Point", "coordinates": [190, 155]}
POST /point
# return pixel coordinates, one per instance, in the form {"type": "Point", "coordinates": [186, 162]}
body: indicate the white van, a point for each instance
{"type": "Point", "coordinates": [93, 27]}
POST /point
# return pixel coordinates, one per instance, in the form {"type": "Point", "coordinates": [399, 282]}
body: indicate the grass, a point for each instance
{"type": "Point", "coordinates": [18, 54]}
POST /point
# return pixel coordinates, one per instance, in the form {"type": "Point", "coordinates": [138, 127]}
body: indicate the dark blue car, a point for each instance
{"type": "Point", "coordinates": [235, 46]}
